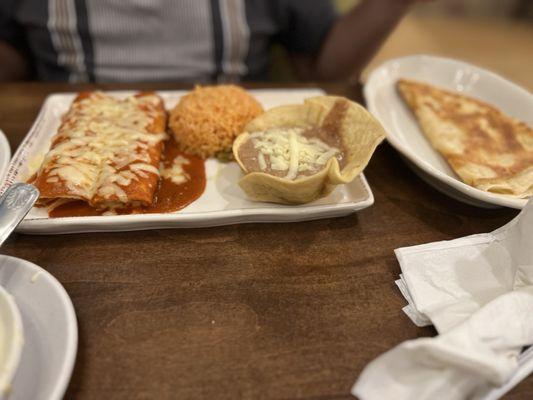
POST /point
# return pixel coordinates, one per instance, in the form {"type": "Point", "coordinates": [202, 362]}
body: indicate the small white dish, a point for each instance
{"type": "Point", "coordinates": [50, 331]}
{"type": "Point", "coordinates": [5, 155]}
{"type": "Point", "coordinates": [222, 203]}
{"type": "Point", "coordinates": [11, 341]}
{"type": "Point", "coordinates": [403, 131]}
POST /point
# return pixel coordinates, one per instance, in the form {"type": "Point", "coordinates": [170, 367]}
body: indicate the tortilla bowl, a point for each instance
{"type": "Point", "coordinates": [359, 132]}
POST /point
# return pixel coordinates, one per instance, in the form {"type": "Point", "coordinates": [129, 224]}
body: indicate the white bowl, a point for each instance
{"type": "Point", "coordinates": [11, 340]}
{"type": "Point", "coordinates": [50, 331]}
{"type": "Point", "coordinates": [402, 129]}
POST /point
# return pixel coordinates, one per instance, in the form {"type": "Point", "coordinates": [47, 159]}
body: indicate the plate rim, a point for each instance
{"type": "Point", "coordinates": [15, 352]}
{"type": "Point", "coordinates": [177, 220]}
{"type": "Point", "coordinates": [6, 149]}
{"type": "Point", "coordinates": [392, 138]}
{"type": "Point", "coordinates": [227, 217]}
{"type": "Point", "coordinates": [71, 334]}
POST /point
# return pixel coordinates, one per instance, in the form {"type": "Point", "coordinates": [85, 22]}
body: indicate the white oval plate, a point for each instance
{"type": "Point", "coordinates": [11, 340]}
{"type": "Point", "coordinates": [5, 155]}
{"type": "Point", "coordinates": [50, 330]}
{"type": "Point", "coordinates": [403, 131]}
{"type": "Point", "coordinates": [222, 202]}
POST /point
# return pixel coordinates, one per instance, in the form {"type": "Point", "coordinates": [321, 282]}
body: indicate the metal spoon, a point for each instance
{"type": "Point", "coordinates": [15, 203]}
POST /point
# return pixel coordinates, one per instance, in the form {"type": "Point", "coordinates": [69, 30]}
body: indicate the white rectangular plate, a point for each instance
{"type": "Point", "coordinates": [222, 203]}
{"type": "Point", "coordinates": [405, 135]}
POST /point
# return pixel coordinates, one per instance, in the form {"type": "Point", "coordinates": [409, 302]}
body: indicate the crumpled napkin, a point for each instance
{"type": "Point", "coordinates": [478, 292]}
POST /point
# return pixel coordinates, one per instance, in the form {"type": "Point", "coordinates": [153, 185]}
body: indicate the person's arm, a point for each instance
{"type": "Point", "coordinates": [353, 40]}
{"type": "Point", "coordinates": [13, 66]}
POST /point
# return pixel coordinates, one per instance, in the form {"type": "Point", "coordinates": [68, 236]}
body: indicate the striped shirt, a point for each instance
{"type": "Point", "coordinates": [161, 40]}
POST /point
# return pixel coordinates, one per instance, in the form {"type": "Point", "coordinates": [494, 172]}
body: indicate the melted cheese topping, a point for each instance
{"type": "Point", "coordinates": [176, 173]}
{"type": "Point", "coordinates": [103, 145]}
{"type": "Point", "coordinates": [289, 150]}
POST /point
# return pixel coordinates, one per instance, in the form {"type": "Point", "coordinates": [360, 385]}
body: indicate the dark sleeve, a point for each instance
{"type": "Point", "coordinates": [10, 31]}
{"type": "Point", "coordinates": [304, 24]}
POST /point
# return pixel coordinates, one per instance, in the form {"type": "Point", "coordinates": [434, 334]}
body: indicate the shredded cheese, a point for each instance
{"type": "Point", "coordinates": [103, 145]}
{"type": "Point", "coordinates": [262, 162]}
{"type": "Point", "coordinates": [287, 149]}
{"type": "Point", "coordinates": [176, 173]}
{"type": "Point", "coordinates": [294, 156]}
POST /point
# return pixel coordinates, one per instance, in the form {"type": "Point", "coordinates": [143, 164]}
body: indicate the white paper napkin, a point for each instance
{"type": "Point", "coordinates": [445, 282]}
{"type": "Point", "coordinates": [478, 292]}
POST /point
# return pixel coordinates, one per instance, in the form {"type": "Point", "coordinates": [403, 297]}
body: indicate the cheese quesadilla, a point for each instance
{"type": "Point", "coordinates": [486, 148]}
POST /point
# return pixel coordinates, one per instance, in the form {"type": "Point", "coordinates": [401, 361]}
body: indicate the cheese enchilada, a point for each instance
{"type": "Point", "coordinates": [106, 152]}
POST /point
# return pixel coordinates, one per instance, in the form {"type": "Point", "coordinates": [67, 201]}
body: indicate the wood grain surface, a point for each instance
{"type": "Point", "coordinates": [257, 311]}
{"type": "Point", "coordinates": [498, 44]}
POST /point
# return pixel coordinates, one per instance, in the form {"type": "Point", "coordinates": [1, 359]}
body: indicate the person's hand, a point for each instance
{"type": "Point", "coordinates": [13, 66]}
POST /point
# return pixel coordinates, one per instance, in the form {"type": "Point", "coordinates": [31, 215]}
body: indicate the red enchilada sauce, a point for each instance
{"type": "Point", "coordinates": [169, 196]}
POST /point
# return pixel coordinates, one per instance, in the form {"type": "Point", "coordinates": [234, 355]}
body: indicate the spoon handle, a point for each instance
{"type": "Point", "coordinates": [15, 203]}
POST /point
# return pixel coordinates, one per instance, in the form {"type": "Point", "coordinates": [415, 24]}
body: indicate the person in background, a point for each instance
{"type": "Point", "coordinates": [188, 40]}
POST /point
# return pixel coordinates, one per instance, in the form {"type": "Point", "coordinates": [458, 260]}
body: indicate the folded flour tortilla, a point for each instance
{"type": "Point", "coordinates": [486, 148]}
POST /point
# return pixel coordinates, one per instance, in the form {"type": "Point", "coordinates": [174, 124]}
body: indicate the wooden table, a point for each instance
{"type": "Point", "coordinates": [501, 45]}
{"type": "Point", "coordinates": [247, 311]}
